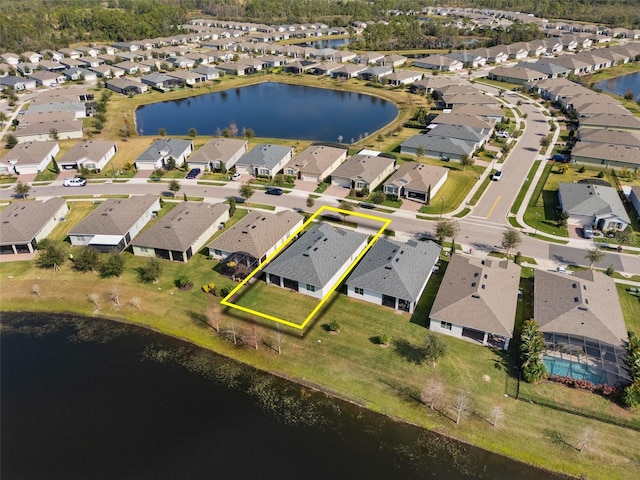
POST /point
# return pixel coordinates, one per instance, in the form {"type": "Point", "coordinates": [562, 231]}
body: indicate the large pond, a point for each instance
{"type": "Point", "coordinates": [91, 399]}
{"type": "Point", "coordinates": [272, 109]}
{"type": "Point", "coordinates": [329, 43]}
{"type": "Point", "coordinates": [620, 85]}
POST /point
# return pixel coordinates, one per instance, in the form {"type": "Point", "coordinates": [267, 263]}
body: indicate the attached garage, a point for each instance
{"type": "Point", "coordinates": [341, 181]}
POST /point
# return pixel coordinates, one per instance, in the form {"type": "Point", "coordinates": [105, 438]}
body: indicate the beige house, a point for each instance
{"type": "Point", "coordinates": [24, 224]}
{"type": "Point", "coordinates": [363, 171]}
{"type": "Point", "coordinates": [29, 157]}
{"type": "Point", "coordinates": [90, 154]}
{"type": "Point", "coordinates": [315, 163]}
{"type": "Point", "coordinates": [217, 152]}
{"type": "Point", "coordinates": [583, 325]}
{"type": "Point", "coordinates": [416, 181]}
{"type": "Point", "coordinates": [182, 232]}
{"type": "Point", "coordinates": [477, 300]}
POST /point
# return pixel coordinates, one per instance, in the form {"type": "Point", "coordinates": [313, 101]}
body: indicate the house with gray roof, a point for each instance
{"type": "Point", "coordinates": [416, 181]}
{"type": "Point", "coordinates": [160, 151]}
{"type": "Point", "coordinates": [439, 62]}
{"type": "Point", "coordinates": [90, 154]}
{"type": "Point", "coordinates": [115, 222]}
{"type": "Point", "coordinates": [593, 205]}
{"type": "Point", "coordinates": [181, 232]}
{"type": "Point", "coordinates": [247, 243]}
{"type": "Point", "coordinates": [217, 153]}
{"type": "Point", "coordinates": [209, 72]}
{"type": "Point", "coordinates": [376, 73]}
{"type": "Point", "coordinates": [160, 81]}
{"type": "Point", "coordinates": [315, 163]}
{"type": "Point", "coordinates": [28, 157]}
{"type": "Point", "coordinates": [607, 154]}
{"type": "Point", "coordinates": [79, 109]}
{"type": "Point", "coordinates": [314, 264]}
{"type": "Point", "coordinates": [264, 160]}
{"type": "Point", "coordinates": [126, 86]}
{"type": "Point", "coordinates": [436, 146]}
{"type": "Point", "coordinates": [583, 325]}
{"type": "Point", "coordinates": [634, 197]}
{"type": "Point", "coordinates": [24, 224]}
{"type": "Point", "coordinates": [477, 300]}
{"type": "Point", "coordinates": [394, 274]}
{"type": "Point", "coordinates": [363, 171]}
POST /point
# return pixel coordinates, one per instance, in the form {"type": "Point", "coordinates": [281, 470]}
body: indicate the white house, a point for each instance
{"type": "Point", "coordinates": [264, 160]}
{"type": "Point", "coordinates": [29, 157]}
{"type": "Point", "coordinates": [90, 154]}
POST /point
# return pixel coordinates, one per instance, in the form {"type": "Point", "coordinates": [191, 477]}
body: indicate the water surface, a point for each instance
{"type": "Point", "coordinates": [620, 85]}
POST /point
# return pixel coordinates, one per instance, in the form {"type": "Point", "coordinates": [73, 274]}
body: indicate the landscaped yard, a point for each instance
{"type": "Point", "coordinates": [454, 190]}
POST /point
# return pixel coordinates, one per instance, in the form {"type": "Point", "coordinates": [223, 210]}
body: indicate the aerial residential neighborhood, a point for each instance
{"type": "Point", "coordinates": [214, 182]}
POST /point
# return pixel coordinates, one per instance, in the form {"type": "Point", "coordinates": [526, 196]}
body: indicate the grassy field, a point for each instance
{"type": "Point", "coordinates": [349, 363]}
{"type": "Point", "coordinates": [454, 190]}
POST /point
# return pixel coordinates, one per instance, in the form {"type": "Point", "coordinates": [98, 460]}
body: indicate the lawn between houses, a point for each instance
{"type": "Point", "coordinates": [351, 363]}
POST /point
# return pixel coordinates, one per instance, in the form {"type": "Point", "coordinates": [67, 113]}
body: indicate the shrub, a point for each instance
{"type": "Point", "coordinates": [209, 288]}
{"type": "Point", "coordinates": [601, 175]}
{"type": "Point", "coordinates": [182, 281]}
{"type": "Point", "coordinates": [334, 326]}
{"type": "Point", "coordinates": [582, 169]}
{"type": "Point", "coordinates": [151, 271]}
{"type": "Point", "coordinates": [383, 339]}
{"type": "Point", "coordinates": [226, 290]}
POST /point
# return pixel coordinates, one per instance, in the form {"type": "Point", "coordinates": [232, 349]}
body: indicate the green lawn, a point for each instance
{"type": "Point", "coordinates": [630, 308]}
{"type": "Point", "coordinates": [454, 190]}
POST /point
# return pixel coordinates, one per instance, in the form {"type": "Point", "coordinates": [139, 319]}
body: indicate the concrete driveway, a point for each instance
{"type": "Point", "coordinates": [336, 191]}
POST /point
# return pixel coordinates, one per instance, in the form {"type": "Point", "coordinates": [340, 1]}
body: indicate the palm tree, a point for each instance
{"type": "Point", "coordinates": [594, 255]}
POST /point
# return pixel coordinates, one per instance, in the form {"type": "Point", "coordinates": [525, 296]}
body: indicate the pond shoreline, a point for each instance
{"type": "Point", "coordinates": [313, 386]}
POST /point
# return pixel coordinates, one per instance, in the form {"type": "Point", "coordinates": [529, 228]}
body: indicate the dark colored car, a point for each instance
{"type": "Point", "coordinates": [559, 157]}
{"type": "Point", "coordinates": [369, 206]}
{"type": "Point", "coordinates": [274, 191]}
{"type": "Point", "coordinates": [193, 173]}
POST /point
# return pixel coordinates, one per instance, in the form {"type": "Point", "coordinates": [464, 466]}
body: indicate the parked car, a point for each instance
{"type": "Point", "coordinates": [587, 231]}
{"type": "Point", "coordinates": [559, 157]}
{"type": "Point", "coordinates": [274, 191]}
{"type": "Point", "coordinates": [502, 134]}
{"type": "Point", "coordinates": [368, 206]}
{"type": "Point", "coordinates": [236, 177]}
{"type": "Point", "coordinates": [496, 176]}
{"type": "Point", "coordinates": [74, 182]}
{"type": "Point", "coordinates": [193, 173]}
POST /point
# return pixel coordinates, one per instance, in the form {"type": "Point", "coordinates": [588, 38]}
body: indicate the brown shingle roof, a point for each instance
{"type": "Point", "coordinates": [114, 216]}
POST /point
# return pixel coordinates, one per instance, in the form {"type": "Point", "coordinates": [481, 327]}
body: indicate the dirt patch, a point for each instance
{"type": "Point", "coordinates": [187, 287]}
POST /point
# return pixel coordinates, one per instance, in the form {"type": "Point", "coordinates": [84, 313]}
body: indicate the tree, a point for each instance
{"type": "Point", "coordinates": [94, 298]}
{"type": "Point", "coordinates": [429, 195]}
{"type": "Point", "coordinates": [310, 201]}
{"type": "Point", "coordinates": [35, 289]}
{"type": "Point", "coordinates": [52, 254]}
{"type": "Point", "coordinates": [466, 161]}
{"type": "Point", "coordinates": [162, 132]}
{"type": "Point", "coordinates": [531, 351]}
{"type": "Point", "coordinates": [511, 238]}
{"type": "Point", "coordinates": [497, 414]}
{"type": "Point", "coordinates": [445, 229]}
{"type": "Point", "coordinates": [157, 173]}
{"type": "Point", "coordinates": [171, 163]}
{"type": "Point", "coordinates": [53, 134]}
{"type": "Point", "coordinates": [432, 393]}
{"type": "Point", "coordinates": [249, 133]}
{"type": "Point", "coordinates": [279, 339]}
{"type": "Point", "coordinates": [232, 206]}
{"type": "Point", "coordinates": [193, 133]}
{"type": "Point", "coordinates": [12, 141]}
{"type": "Point", "coordinates": [624, 236]}
{"type": "Point", "coordinates": [377, 197]}
{"type": "Point", "coordinates": [628, 94]}
{"type": "Point", "coordinates": [434, 349]}
{"type": "Point", "coordinates": [114, 295]}
{"type": "Point", "coordinates": [246, 190]}
{"type": "Point", "coordinates": [233, 129]}
{"type": "Point", "coordinates": [461, 406]}
{"type": "Point", "coordinates": [113, 265]}
{"type": "Point", "coordinates": [86, 258]}
{"type": "Point", "coordinates": [563, 219]}
{"type": "Point", "coordinates": [420, 152]}
{"type": "Point", "coordinates": [174, 186]}
{"type": "Point", "coordinates": [55, 166]}
{"type": "Point", "coordinates": [594, 255]}
{"type": "Point", "coordinates": [346, 207]}
{"type": "Point", "coordinates": [588, 434]}
{"type": "Point", "coordinates": [150, 272]}
{"type": "Point", "coordinates": [21, 188]}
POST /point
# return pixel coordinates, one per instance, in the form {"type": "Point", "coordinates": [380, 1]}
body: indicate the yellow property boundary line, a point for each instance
{"type": "Point", "coordinates": [226, 300]}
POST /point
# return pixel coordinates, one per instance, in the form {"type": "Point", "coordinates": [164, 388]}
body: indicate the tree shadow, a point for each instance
{"type": "Point", "coordinates": [409, 351]}
{"type": "Point", "coordinates": [199, 318]}
{"type": "Point", "coordinates": [557, 439]}
{"type": "Point", "coordinates": [406, 392]}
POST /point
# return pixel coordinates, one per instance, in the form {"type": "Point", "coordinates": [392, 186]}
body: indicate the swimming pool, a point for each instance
{"type": "Point", "coordinates": [575, 370]}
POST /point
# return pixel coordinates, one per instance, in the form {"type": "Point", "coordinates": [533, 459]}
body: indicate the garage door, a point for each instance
{"type": "Point", "coordinates": [341, 182]}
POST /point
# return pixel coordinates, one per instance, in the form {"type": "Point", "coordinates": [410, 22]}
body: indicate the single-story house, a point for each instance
{"type": "Point", "coordinates": [217, 152]}
{"type": "Point", "coordinates": [160, 81]}
{"type": "Point", "coordinates": [29, 157]}
{"type": "Point", "coordinates": [315, 163]}
{"type": "Point", "coordinates": [79, 109]}
{"type": "Point", "coordinates": [611, 121]}
{"type": "Point", "coordinates": [252, 239]}
{"type": "Point", "coordinates": [188, 77]}
{"type": "Point", "coordinates": [608, 155]}
{"type": "Point", "coordinates": [477, 300]}
{"type": "Point", "coordinates": [460, 119]}
{"type": "Point", "coordinates": [583, 325]}
{"type": "Point", "coordinates": [18, 83]}
{"type": "Point", "coordinates": [181, 232]}
{"type": "Point", "coordinates": [416, 181]}
{"type": "Point", "coordinates": [403, 77]}
{"type": "Point", "coordinates": [161, 150]}
{"type": "Point", "coordinates": [518, 74]}
{"type": "Point", "coordinates": [348, 71]}
{"type": "Point", "coordinates": [181, 62]}
{"type": "Point", "coordinates": [468, 59]}
{"type": "Point", "coordinates": [46, 79]}
{"type": "Point", "coordinates": [32, 128]}
{"type": "Point", "coordinates": [444, 148]}
{"type": "Point", "coordinates": [264, 160]}
{"type": "Point", "coordinates": [394, 274]}
{"type": "Point", "coordinates": [107, 71]}
{"type": "Point", "coordinates": [24, 224]}
{"type": "Point", "coordinates": [376, 73]}
{"type": "Point", "coordinates": [314, 263]}
{"type": "Point", "coordinates": [363, 171]}
{"type": "Point", "coordinates": [439, 62]}
{"type": "Point", "coordinates": [126, 86]}
{"type": "Point", "coordinates": [90, 154]}
{"type": "Point", "coordinates": [394, 60]}
{"type": "Point", "coordinates": [596, 205]}
{"type": "Point", "coordinates": [210, 73]}
{"type": "Point", "coordinates": [78, 73]}
{"type": "Point", "coordinates": [115, 222]}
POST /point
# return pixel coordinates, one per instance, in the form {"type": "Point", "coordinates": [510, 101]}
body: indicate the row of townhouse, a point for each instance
{"type": "Point", "coordinates": [476, 301]}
